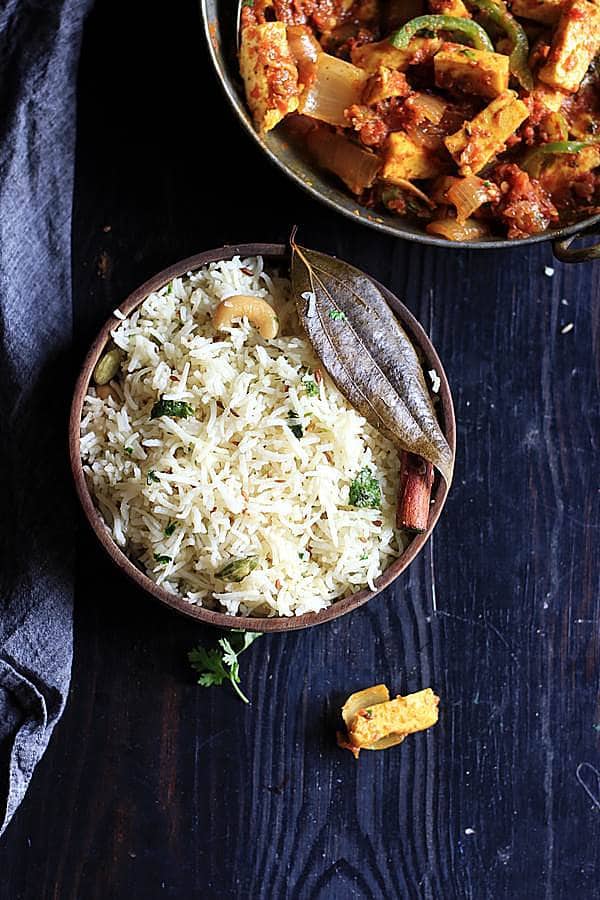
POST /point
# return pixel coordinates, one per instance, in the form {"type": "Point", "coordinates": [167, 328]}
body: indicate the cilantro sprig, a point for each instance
{"type": "Point", "coordinates": [218, 665]}
{"type": "Point", "coordinates": [365, 490]}
{"type": "Point", "coordinates": [177, 409]}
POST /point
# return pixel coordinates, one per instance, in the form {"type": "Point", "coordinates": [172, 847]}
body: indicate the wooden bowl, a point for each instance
{"type": "Point", "coordinates": [275, 253]}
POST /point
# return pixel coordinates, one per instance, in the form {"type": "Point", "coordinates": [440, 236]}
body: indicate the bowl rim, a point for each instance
{"type": "Point", "coordinates": [273, 252]}
{"type": "Point", "coordinates": [359, 213]}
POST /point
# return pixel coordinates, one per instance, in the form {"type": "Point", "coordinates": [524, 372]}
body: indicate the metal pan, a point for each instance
{"type": "Point", "coordinates": [220, 24]}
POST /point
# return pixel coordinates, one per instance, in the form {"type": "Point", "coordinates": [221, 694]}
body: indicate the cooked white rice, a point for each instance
{"type": "Point", "coordinates": [234, 480]}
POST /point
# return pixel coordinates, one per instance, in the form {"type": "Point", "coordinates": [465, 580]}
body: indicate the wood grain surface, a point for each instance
{"type": "Point", "coordinates": [154, 787]}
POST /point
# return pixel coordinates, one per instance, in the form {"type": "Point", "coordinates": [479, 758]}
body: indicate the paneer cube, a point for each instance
{"type": "Point", "coordinates": [371, 56]}
{"type": "Point", "coordinates": [336, 86]}
{"type": "Point", "coordinates": [385, 83]}
{"type": "Point", "coordinates": [546, 11]}
{"type": "Point", "coordinates": [484, 136]}
{"type": "Point", "coordinates": [402, 716]}
{"type": "Point", "coordinates": [558, 175]}
{"type": "Point", "coordinates": [471, 71]}
{"type": "Point", "coordinates": [404, 160]}
{"type": "Point", "coordinates": [575, 44]}
{"type": "Point", "coordinates": [551, 98]}
{"type": "Point", "coordinates": [269, 73]}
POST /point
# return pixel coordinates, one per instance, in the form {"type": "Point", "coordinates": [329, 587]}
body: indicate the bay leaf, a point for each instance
{"type": "Point", "coordinates": [367, 353]}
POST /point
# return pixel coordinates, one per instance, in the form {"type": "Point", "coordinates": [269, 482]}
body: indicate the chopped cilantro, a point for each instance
{"type": "Point", "coordinates": [337, 315]}
{"type": "Point", "coordinates": [365, 490]}
{"type": "Point", "coordinates": [216, 666]}
{"type": "Point", "coordinates": [163, 560]}
{"type": "Point", "coordinates": [128, 450]}
{"type": "Point", "coordinates": [177, 409]}
{"type": "Point", "coordinates": [364, 557]}
{"type": "Point", "coordinates": [151, 477]}
{"type": "Point", "coordinates": [295, 425]}
{"type": "Point", "coordinates": [311, 388]}
{"type": "Point", "coordinates": [170, 529]}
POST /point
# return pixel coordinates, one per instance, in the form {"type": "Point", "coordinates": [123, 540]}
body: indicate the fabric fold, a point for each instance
{"type": "Point", "coordinates": [39, 52]}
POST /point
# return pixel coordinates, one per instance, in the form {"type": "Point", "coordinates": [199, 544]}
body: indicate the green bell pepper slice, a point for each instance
{"type": "Point", "coordinates": [465, 29]}
{"type": "Point", "coordinates": [498, 14]}
{"type": "Point", "coordinates": [533, 162]}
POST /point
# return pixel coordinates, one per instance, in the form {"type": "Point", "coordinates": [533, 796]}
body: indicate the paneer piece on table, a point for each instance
{"type": "Point", "coordinates": [545, 11]}
{"type": "Point", "coordinates": [401, 716]}
{"type": "Point", "coordinates": [575, 44]}
{"type": "Point", "coordinates": [471, 71]}
{"type": "Point", "coordinates": [484, 136]}
{"type": "Point", "coordinates": [404, 160]}
{"type": "Point", "coordinates": [269, 73]}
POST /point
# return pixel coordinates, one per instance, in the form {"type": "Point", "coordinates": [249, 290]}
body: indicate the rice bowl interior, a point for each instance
{"type": "Point", "coordinates": [261, 467]}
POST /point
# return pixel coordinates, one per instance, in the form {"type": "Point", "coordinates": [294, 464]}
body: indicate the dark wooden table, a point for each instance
{"type": "Point", "coordinates": [154, 787]}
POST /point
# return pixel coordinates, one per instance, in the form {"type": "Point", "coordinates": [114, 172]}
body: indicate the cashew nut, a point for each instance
{"type": "Point", "coordinates": [257, 311]}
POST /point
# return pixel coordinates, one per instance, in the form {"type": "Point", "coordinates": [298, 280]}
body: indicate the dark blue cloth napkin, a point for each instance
{"type": "Point", "coordinates": [39, 51]}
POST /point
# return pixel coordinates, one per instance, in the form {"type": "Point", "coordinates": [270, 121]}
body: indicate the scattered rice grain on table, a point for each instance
{"type": "Point", "coordinates": [186, 496]}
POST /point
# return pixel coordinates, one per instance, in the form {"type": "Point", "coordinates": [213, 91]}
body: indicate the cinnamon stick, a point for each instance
{"type": "Point", "coordinates": [414, 496]}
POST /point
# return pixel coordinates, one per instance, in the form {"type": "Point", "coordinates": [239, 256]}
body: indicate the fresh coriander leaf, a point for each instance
{"type": "Point", "coordinates": [128, 450]}
{"type": "Point", "coordinates": [365, 490]}
{"type": "Point", "coordinates": [311, 388]}
{"type": "Point", "coordinates": [151, 477]}
{"type": "Point", "coordinates": [170, 529]}
{"type": "Point", "coordinates": [364, 557]}
{"type": "Point", "coordinates": [209, 665]}
{"type": "Point", "coordinates": [229, 654]}
{"type": "Point", "coordinates": [177, 409]}
{"type": "Point", "coordinates": [163, 560]}
{"type": "Point", "coordinates": [295, 424]}
{"type": "Point", "coordinates": [216, 666]}
{"type": "Point", "coordinates": [337, 315]}
{"type": "Point", "coordinates": [248, 638]}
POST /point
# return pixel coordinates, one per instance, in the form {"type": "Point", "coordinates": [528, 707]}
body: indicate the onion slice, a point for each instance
{"type": "Point", "coordinates": [468, 194]}
{"type": "Point", "coordinates": [453, 230]}
{"type": "Point", "coordinates": [411, 188]}
{"type": "Point", "coordinates": [356, 167]}
{"type": "Point", "coordinates": [428, 107]}
{"type": "Point", "coordinates": [336, 86]}
{"type": "Point", "coordinates": [304, 50]}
